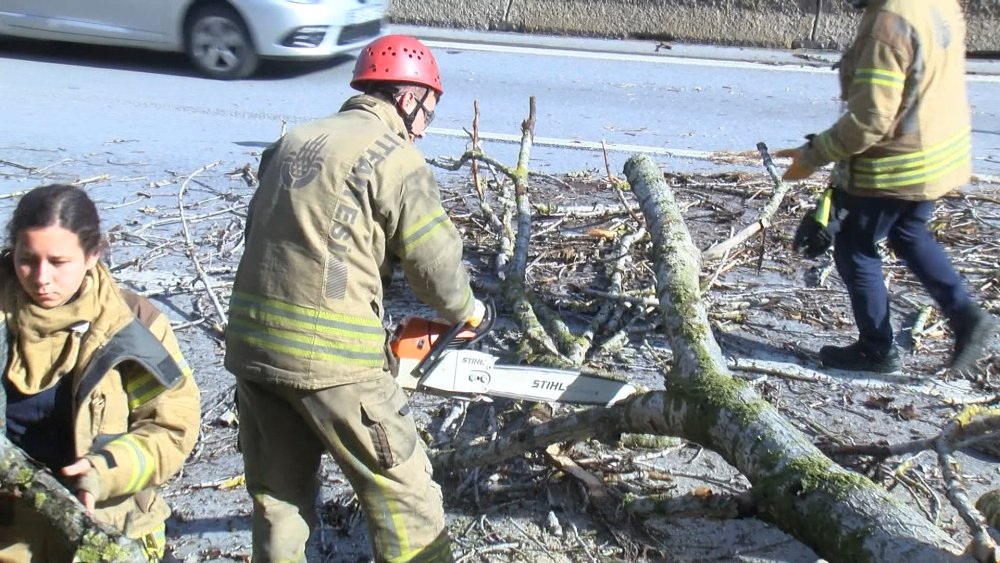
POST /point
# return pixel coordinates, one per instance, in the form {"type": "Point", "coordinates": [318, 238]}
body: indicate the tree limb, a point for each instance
{"type": "Point", "coordinates": [55, 503]}
{"type": "Point", "coordinates": [763, 218]}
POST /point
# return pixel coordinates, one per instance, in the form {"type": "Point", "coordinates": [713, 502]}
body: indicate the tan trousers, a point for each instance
{"type": "Point", "coordinates": [26, 537]}
{"type": "Point", "coordinates": [368, 430]}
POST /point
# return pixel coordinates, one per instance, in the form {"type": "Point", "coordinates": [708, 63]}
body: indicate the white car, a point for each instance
{"type": "Point", "coordinates": [223, 38]}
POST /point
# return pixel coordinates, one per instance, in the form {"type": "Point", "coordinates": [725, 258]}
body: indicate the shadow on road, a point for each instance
{"type": "Point", "coordinates": [153, 62]}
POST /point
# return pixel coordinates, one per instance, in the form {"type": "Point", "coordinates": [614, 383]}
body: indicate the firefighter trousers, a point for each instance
{"type": "Point", "coordinates": [904, 223]}
{"type": "Point", "coordinates": [368, 430]}
{"type": "Point", "coordinates": [27, 537]}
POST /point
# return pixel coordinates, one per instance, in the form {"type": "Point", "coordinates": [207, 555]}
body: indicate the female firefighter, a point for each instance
{"type": "Point", "coordinates": [96, 387]}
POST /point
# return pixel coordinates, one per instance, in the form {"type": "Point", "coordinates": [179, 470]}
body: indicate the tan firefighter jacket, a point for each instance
{"type": "Point", "coordinates": [136, 407]}
{"type": "Point", "coordinates": [340, 198]}
{"type": "Point", "coordinates": [907, 131]}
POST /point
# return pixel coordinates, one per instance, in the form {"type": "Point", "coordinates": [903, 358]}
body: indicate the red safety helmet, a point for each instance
{"type": "Point", "coordinates": [397, 58]}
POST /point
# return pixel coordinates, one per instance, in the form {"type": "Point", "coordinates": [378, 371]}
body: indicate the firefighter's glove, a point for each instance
{"type": "Point", "coordinates": [819, 226]}
{"type": "Point", "coordinates": [87, 482]}
{"type": "Point", "coordinates": [811, 239]}
{"type": "Point", "coordinates": [478, 314]}
{"type": "Point", "coordinates": [798, 170]}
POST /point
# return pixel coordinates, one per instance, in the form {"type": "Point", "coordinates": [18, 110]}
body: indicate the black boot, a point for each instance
{"type": "Point", "coordinates": [973, 328]}
{"type": "Point", "coordinates": [856, 357]}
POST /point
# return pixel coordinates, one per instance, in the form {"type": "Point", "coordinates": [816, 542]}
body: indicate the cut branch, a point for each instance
{"type": "Point", "coordinates": [763, 218]}
{"type": "Point", "coordinates": [203, 276]}
{"type": "Point", "coordinates": [516, 291]}
{"type": "Point", "coordinates": [55, 503]}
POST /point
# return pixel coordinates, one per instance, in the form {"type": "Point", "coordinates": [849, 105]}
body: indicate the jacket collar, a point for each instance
{"type": "Point", "coordinates": [381, 109]}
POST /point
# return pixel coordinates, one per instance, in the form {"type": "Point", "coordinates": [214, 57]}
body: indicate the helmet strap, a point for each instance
{"type": "Point", "coordinates": [409, 118]}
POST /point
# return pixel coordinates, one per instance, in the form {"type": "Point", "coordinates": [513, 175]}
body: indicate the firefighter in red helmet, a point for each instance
{"type": "Point", "coordinates": [400, 59]}
{"type": "Point", "coordinates": [402, 69]}
{"type": "Point", "coordinates": [340, 199]}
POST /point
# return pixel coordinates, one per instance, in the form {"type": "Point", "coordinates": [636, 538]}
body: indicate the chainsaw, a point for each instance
{"type": "Point", "coordinates": [437, 358]}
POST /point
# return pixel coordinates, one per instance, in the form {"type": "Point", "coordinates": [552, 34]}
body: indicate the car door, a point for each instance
{"type": "Point", "coordinates": [130, 20]}
{"type": "Point", "coordinates": [25, 15]}
{"type": "Point", "coordinates": [114, 21]}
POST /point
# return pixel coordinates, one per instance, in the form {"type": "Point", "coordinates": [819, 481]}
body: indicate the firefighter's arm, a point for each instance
{"type": "Point", "coordinates": [266, 159]}
{"type": "Point", "coordinates": [874, 97]}
{"type": "Point", "coordinates": [428, 246]}
{"type": "Point", "coordinates": [163, 428]}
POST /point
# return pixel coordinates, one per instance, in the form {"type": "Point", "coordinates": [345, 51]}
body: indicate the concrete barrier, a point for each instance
{"type": "Point", "coordinates": [765, 23]}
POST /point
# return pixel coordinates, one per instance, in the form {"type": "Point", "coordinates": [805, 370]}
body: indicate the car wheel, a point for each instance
{"type": "Point", "coordinates": [219, 44]}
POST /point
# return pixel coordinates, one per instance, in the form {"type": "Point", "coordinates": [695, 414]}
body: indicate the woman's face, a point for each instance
{"type": "Point", "coordinates": [51, 264]}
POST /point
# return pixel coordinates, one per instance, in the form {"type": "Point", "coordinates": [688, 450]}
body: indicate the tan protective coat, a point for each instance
{"type": "Point", "coordinates": [149, 430]}
{"type": "Point", "coordinates": [339, 200]}
{"type": "Point", "coordinates": [907, 131]}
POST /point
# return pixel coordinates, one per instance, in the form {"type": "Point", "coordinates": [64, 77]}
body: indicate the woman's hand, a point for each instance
{"type": "Point", "coordinates": [80, 469]}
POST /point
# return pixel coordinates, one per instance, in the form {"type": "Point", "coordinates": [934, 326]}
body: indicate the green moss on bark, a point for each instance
{"type": "Point", "coordinates": [793, 479]}
{"type": "Point", "coordinates": [711, 393]}
{"type": "Point", "coordinates": [96, 548]}
{"type": "Point", "coordinates": [24, 476]}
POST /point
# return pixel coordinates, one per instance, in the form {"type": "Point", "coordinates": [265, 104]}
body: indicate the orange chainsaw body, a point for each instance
{"type": "Point", "coordinates": [415, 336]}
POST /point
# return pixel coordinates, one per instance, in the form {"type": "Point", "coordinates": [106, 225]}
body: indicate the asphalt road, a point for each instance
{"type": "Point", "coordinates": [679, 104]}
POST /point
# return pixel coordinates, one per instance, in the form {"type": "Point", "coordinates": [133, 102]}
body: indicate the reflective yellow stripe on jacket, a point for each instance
{"type": "Point", "coordinates": [828, 147]}
{"type": "Point", "coordinates": [141, 461]}
{"type": "Point", "coordinates": [422, 230]}
{"type": "Point", "coordinates": [913, 168]}
{"type": "Point", "coordinates": [879, 77]}
{"type": "Point", "coordinates": [307, 333]}
{"type": "Point", "coordinates": [144, 387]}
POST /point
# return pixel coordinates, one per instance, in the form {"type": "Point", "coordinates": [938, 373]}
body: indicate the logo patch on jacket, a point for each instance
{"type": "Point", "coordinates": [301, 167]}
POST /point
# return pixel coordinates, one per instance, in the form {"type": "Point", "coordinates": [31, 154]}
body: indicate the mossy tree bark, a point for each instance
{"type": "Point", "coordinates": [842, 515]}
{"type": "Point", "coordinates": [56, 504]}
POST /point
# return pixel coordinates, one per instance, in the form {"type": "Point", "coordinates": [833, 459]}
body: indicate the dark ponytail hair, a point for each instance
{"type": "Point", "coordinates": [58, 205]}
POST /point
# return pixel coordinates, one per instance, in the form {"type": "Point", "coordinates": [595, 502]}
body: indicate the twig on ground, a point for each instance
{"type": "Point", "coordinates": [192, 254]}
{"type": "Point", "coordinates": [763, 218]}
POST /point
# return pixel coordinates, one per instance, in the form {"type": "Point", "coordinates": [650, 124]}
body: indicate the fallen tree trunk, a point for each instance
{"type": "Point", "coordinates": [842, 515]}
{"type": "Point", "coordinates": [55, 503]}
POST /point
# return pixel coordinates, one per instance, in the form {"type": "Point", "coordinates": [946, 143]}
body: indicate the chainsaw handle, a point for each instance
{"type": "Point", "coordinates": [447, 340]}
{"type": "Point", "coordinates": [484, 327]}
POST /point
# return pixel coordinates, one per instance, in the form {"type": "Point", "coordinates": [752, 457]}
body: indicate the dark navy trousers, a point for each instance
{"type": "Point", "coordinates": [904, 223]}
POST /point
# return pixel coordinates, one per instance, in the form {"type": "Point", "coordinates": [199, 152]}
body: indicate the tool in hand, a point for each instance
{"type": "Point", "coordinates": [437, 358]}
